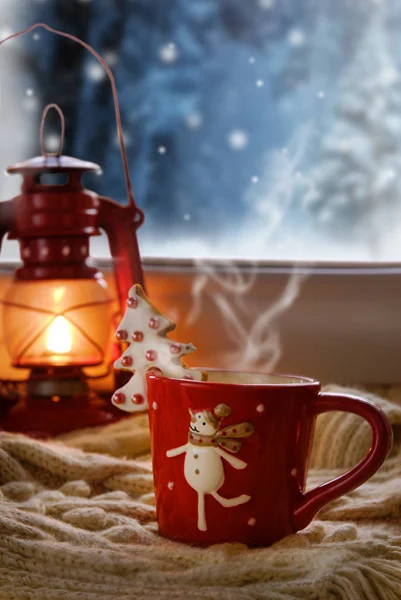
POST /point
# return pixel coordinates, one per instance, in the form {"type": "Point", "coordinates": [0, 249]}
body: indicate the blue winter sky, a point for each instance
{"type": "Point", "coordinates": [246, 122]}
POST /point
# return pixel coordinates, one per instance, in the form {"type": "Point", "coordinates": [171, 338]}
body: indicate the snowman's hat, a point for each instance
{"type": "Point", "coordinates": [214, 417]}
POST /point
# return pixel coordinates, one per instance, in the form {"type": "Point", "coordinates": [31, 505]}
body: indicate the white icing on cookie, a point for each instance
{"type": "Point", "coordinates": [144, 328]}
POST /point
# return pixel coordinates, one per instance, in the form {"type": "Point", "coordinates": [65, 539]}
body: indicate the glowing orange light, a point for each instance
{"type": "Point", "coordinates": [59, 336]}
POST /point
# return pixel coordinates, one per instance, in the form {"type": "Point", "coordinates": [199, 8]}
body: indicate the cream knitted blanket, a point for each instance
{"type": "Point", "coordinates": [77, 522]}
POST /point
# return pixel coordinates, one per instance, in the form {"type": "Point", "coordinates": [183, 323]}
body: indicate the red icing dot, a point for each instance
{"type": "Point", "coordinates": [223, 433]}
{"type": "Point", "coordinates": [137, 336]}
{"type": "Point", "coordinates": [175, 348]}
{"type": "Point", "coordinates": [150, 355]}
{"type": "Point", "coordinates": [126, 361]}
{"type": "Point", "coordinates": [200, 441]}
{"type": "Point", "coordinates": [213, 441]}
{"type": "Point", "coordinates": [234, 447]}
{"type": "Point", "coordinates": [118, 398]}
{"type": "Point", "coordinates": [137, 399]}
{"type": "Point", "coordinates": [132, 302]}
{"type": "Point", "coordinates": [234, 430]}
{"type": "Point", "coordinates": [121, 335]}
{"type": "Point", "coordinates": [223, 443]}
{"type": "Point", "coordinates": [191, 437]}
{"type": "Point", "coordinates": [154, 323]}
{"type": "Point", "coordinates": [246, 429]}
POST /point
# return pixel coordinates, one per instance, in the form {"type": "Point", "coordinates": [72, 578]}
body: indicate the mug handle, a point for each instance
{"type": "Point", "coordinates": [382, 437]}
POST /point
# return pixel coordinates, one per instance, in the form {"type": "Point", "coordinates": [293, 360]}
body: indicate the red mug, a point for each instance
{"type": "Point", "coordinates": [230, 455]}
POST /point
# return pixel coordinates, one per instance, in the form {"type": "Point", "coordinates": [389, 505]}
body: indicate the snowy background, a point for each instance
{"type": "Point", "coordinates": [266, 129]}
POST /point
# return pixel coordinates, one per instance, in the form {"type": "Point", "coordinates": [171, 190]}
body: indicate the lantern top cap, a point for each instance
{"type": "Point", "coordinates": [53, 163]}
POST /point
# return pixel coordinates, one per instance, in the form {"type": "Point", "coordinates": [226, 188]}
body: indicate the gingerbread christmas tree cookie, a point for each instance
{"type": "Point", "coordinates": [145, 329]}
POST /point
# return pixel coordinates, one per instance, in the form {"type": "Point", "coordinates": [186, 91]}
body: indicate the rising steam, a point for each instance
{"type": "Point", "coordinates": [255, 341]}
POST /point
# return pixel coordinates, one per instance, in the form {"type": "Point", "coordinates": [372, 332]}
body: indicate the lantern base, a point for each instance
{"type": "Point", "coordinates": [55, 406]}
{"type": "Point", "coordinates": [41, 417]}
{"type": "Point", "coordinates": [56, 383]}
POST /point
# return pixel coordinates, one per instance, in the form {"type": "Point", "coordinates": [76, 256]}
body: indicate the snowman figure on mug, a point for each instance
{"type": "Point", "coordinates": [205, 450]}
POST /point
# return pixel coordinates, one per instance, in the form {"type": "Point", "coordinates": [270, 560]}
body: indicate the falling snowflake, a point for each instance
{"type": "Point", "coordinates": [111, 57]}
{"type": "Point", "coordinates": [162, 149]}
{"type": "Point", "coordinates": [255, 179]}
{"type": "Point", "coordinates": [36, 37]}
{"type": "Point", "coordinates": [126, 137]}
{"type": "Point", "coordinates": [251, 60]}
{"type": "Point", "coordinates": [296, 38]}
{"type": "Point", "coordinates": [238, 139]}
{"type": "Point", "coordinates": [168, 53]}
{"type": "Point", "coordinates": [52, 142]}
{"type": "Point", "coordinates": [95, 71]}
{"type": "Point", "coordinates": [29, 92]}
{"type": "Point", "coordinates": [267, 4]}
{"type": "Point", "coordinates": [194, 120]}
{"type": "Point", "coordinates": [187, 217]}
{"type": "Point", "coordinates": [260, 83]}
{"type": "Point", "coordinates": [321, 94]}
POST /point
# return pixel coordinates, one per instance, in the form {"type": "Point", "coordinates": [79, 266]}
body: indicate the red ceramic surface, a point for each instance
{"type": "Point", "coordinates": [244, 481]}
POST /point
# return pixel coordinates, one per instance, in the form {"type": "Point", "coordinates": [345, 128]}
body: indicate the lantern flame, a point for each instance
{"type": "Point", "coordinates": [59, 337]}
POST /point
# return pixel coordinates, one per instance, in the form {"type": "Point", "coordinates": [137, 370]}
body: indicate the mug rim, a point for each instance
{"type": "Point", "coordinates": [301, 381]}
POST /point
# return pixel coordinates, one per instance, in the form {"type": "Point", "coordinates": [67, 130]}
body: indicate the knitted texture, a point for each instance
{"type": "Point", "coordinates": [77, 522]}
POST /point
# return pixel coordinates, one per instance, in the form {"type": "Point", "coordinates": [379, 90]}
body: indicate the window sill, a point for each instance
{"type": "Point", "coordinates": [343, 326]}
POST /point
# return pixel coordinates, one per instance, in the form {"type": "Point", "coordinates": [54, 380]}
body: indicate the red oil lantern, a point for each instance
{"type": "Point", "coordinates": [57, 313]}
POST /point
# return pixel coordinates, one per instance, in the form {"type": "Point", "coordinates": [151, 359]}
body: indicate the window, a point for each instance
{"type": "Point", "coordinates": [269, 129]}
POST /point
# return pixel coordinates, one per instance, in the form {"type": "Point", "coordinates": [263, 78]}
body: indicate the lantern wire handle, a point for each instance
{"type": "Point", "coordinates": [139, 217]}
{"type": "Point", "coordinates": [42, 126]}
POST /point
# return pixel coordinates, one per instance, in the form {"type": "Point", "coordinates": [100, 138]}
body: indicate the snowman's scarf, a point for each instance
{"type": "Point", "coordinates": [224, 437]}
